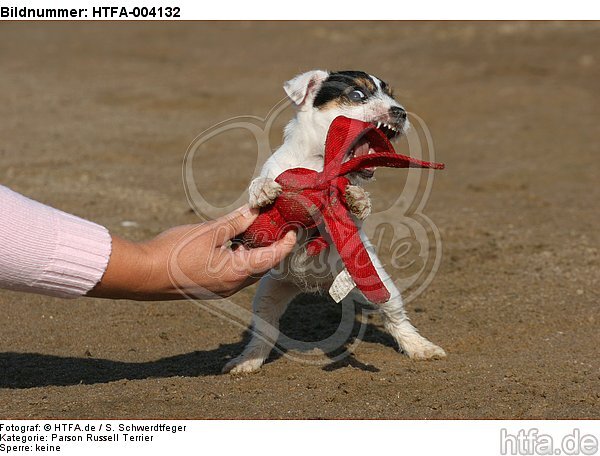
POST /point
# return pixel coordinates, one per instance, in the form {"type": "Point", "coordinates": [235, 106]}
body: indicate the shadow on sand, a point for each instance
{"type": "Point", "coordinates": [309, 318]}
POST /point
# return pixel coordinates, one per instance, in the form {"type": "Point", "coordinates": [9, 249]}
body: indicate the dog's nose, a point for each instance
{"type": "Point", "coordinates": [398, 112]}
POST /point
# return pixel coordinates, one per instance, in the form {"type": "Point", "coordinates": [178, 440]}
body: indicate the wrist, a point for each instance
{"type": "Point", "coordinates": [153, 281]}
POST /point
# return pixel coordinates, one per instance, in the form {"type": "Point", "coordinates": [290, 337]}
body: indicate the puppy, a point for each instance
{"type": "Point", "coordinates": [320, 97]}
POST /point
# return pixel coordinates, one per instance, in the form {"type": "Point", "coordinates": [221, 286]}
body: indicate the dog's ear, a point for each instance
{"type": "Point", "coordinates": [304, 86]}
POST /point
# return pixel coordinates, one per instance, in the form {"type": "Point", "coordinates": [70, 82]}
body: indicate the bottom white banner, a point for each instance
{"type": "Point", "coordinates": [297, 437]}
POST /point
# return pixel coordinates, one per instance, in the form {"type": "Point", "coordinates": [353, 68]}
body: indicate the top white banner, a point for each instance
{"type": "Point", "coordinates": [306, 10]}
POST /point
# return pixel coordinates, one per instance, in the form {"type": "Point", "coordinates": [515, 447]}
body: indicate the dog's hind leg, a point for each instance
{"type": "Point", "coordinates": [396, 321]}
{"type": "Point", "coordinates": [270, 303]}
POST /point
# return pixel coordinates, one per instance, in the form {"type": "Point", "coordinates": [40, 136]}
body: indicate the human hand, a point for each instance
{"type": "Point", "coordinates": [190, 260]}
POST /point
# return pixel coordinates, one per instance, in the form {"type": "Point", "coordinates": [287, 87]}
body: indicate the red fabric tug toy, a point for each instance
{"type": "Point", "coordinates": [315, 199]}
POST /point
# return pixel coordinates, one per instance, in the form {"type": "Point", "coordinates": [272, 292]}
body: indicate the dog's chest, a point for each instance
{"type": "Point", "coordinates": [311, 273]}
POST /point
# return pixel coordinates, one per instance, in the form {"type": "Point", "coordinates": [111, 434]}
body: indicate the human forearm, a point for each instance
{"type": "Point", "coordinates": [127, 273]}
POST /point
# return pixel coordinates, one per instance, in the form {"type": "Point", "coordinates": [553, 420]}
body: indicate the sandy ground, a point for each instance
{"type": "Point", "coordinates": [95, 119]}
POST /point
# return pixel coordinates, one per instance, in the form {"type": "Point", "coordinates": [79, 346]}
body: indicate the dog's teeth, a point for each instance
{"type": "Point", "coordinates": [378, 124]}
{"type": "Point", "coordinates": [371, 151]}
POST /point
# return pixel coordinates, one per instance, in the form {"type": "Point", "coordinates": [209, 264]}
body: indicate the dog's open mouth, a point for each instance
{"type": "Point", "coordinates": [363, 148]}
{"type": "Point", "coordinates": [391, 131]}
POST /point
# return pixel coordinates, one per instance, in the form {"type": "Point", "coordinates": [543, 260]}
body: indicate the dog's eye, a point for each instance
{"type": "Point", "coordinates": [356, 95]}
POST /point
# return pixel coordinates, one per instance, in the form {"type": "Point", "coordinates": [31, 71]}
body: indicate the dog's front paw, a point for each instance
{"type": "Point", "coordinates": [358, 201]}
{"type": "Point", "coordinates": [421, 349]}
{"type": "Point", "coordinates": [263, 192]}
{"type": "Point", "coordinates": [242, 365]}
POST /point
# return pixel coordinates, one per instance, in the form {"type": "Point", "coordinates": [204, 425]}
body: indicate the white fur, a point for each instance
{"type": "Point", "coordinates": [304, 141]}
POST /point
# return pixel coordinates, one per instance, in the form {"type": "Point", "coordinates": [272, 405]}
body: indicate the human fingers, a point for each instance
{"type": "Point", "coordinates": [260, 260]}
{"type": "Point", "coordinates": [230, 225]}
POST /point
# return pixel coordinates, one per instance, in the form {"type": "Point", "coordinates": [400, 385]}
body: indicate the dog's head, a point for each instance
{"type": "Point", "coordinates": [321, 96]}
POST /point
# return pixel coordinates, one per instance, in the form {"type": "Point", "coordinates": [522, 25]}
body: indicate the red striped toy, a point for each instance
{"type": "Point", "coordinates": [314, 199]}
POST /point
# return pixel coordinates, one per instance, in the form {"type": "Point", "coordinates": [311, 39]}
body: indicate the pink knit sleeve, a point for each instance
{"type": "Point", "coordinates": [44, 250]}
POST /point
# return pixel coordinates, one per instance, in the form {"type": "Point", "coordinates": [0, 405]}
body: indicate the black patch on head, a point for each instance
{"type": "Point", "coordinates": [339, 83]}
{"type": "Point", "coordinates": [385, 88]}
